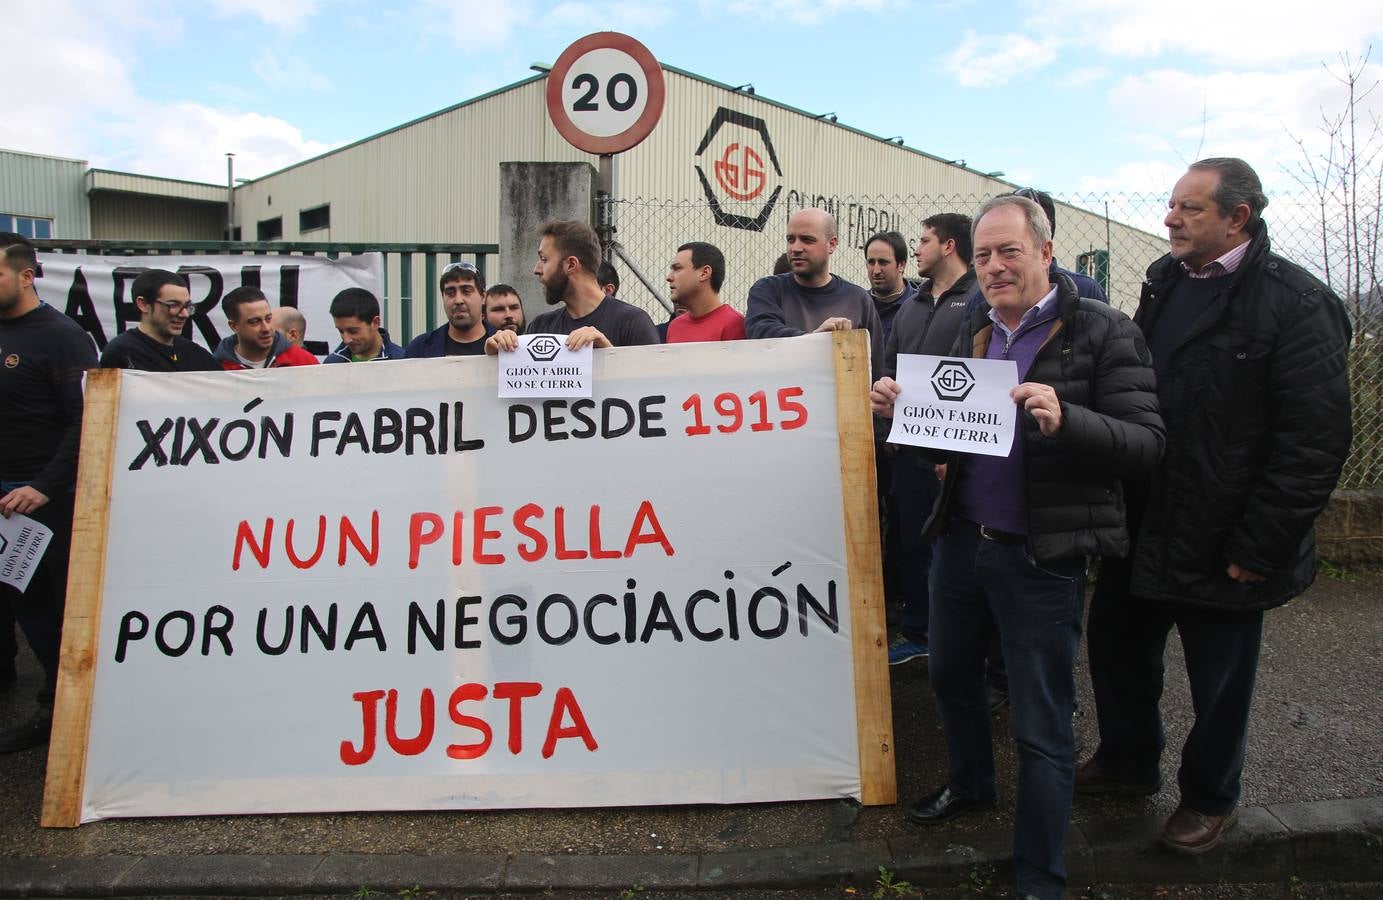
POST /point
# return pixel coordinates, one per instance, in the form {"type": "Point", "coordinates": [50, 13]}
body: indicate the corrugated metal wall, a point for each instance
{"type": "Point", "coordinates": [48, 188]}
{"type": "Point", "coordinates": [437, 179]}
{"type": "Point", "coordinates": [116, 216]}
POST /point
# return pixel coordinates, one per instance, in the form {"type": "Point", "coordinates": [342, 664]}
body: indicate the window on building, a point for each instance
{"type": "Point", "coordinates": [271, 229]}
{"type": "Point", "coordinates": [29, 226]}
{"type": "Point", "coordinates": [317, 217]}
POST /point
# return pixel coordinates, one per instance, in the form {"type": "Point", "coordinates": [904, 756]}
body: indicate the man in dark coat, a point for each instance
{"type": "Point", "coordinates": [1015, 531]}
{"type": "Point", "coordinates": [1251, 354]}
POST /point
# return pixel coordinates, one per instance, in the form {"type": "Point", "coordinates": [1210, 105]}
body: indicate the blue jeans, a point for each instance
{"type": "Point", "coordinates": [1037, 610]}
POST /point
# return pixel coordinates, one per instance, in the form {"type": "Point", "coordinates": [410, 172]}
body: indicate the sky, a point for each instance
{"type": "Point", "coordinates": [1081, 97]}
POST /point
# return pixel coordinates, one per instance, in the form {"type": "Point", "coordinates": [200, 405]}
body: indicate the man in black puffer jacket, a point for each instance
{"type": "Point", "coordinates": [1252, 367]}
{"type": "Point", "coordinates": [1015, 531]}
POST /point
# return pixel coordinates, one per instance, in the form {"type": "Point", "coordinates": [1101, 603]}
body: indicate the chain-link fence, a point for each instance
{"type": "Point", "coordinates": [1112, 238]}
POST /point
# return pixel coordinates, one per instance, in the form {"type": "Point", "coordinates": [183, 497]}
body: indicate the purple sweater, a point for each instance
{"type": "Point", "coordinates": [991, 490]}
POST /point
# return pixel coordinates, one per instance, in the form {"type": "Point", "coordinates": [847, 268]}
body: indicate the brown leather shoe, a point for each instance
{"type": "Point", "coordinates": [1091, 778]}
{"type": "Point", "coordinates": [1191, 833]}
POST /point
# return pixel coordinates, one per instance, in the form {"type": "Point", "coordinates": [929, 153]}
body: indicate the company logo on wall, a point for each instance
{"type": "Point", "coordinates": [744, 168]}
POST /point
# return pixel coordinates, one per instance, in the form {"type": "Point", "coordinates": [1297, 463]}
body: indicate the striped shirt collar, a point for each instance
{"type": "Point", "coordinates": [1225, 265]}
{"type": "Point", "coordinates": [1042, 309]}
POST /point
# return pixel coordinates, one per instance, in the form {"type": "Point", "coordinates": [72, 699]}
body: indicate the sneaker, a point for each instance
{"type": "Point", "coordinates": [31, 734]}
{"type": "Point", "coordinates": [903, 650]}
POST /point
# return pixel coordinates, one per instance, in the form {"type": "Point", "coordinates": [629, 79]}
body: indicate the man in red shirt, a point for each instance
{"type": "Point", "coordinates": [253, 343]}
{"type": "Point", "coordinates": [694, 280]}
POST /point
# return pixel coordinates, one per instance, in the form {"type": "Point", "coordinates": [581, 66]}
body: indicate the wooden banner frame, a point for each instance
{"type": "Point", "coordinates": [64, 786]}
{"type": "Point", "coordinates": [81, 627]}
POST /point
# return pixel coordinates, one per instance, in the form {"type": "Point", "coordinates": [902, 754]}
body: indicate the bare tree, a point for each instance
{"type": "Point", "coordinates": [1345, 179]}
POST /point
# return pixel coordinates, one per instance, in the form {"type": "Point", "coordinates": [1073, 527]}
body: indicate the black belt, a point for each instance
{"type": "Point", "coordinates": [1002, 537]}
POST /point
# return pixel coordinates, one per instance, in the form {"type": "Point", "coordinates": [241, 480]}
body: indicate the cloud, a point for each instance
{"type": "Point", "coordinates": [1082, 77]}
{"type": "Point", "coordinates": [1254, 115]}
{"type": "Point", "coordinates": [285, 14]}
{"type": "Point", "coordinates": [790, 13]}
{"type": "Point", "coordinates": [992, 61]}
{"type": "Point", "coordinates": [1237, 32]}
{"type": "Point", "coordinates": [261, 144]}
{"type": "Point", "coordinates": [288, 74]}
{"type": "Point", "coordinates": [478, 23]}
{"type": "Point", "coordinates": [116, 127]}
{"type": "Point", "coordinates": [628, 17]}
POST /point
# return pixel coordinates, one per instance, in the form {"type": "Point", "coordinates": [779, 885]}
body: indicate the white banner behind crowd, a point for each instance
{"type": "Point", "coordinates": [95, 290]}
{"type": "Point", "coordinates": [381, 587]}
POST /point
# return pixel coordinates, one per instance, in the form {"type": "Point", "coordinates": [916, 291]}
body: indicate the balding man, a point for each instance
{"type": "Point", "coordinates": [292, 324]}
{"type": "Point", "coordinates": [809, 298]}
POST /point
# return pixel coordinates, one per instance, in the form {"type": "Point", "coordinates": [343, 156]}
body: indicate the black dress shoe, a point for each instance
{"type": "Point", "coordinates": [943, 805]}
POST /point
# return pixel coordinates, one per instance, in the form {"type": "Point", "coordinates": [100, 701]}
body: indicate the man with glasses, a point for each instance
{"type": "Point", "coordinates": [157, 344]}
{"type": "Point", "coordinates": [463, 300]}
{"type": "Point", "coordinates": [44, 354]}
{"type": "Point", "coordinates": [1252, 359]}
{"type": "Point", "coordinates": [1015, 531]}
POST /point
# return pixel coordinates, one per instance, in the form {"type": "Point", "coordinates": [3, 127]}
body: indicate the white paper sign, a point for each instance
{"type": "Point", "coordinates": [955, 404]}
{"type": "Point", "coordinates": [660, 615]}
{"type": "Point", "coordinates": [22, 542]}
{"type": "Point", "coordinates": [544, 367]}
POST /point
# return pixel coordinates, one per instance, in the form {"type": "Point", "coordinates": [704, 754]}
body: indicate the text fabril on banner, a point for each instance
{"type": "Point", "coordinates": [382, 587]}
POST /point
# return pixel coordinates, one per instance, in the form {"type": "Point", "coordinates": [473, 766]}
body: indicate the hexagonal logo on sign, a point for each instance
{"type": "Point", "coordinates": [544, 348]}
{"type": "Point", "coordinates": [952, 380]}
{"type": "Point", "coordinates": [746, 178]}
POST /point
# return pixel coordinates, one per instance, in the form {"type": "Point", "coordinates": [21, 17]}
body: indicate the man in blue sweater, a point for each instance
{"type": "Point", "coordinates": [809, 298]}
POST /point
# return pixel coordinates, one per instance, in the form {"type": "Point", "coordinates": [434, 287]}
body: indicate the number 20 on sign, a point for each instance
{"type": "Point", "coordinates": [605, 93]}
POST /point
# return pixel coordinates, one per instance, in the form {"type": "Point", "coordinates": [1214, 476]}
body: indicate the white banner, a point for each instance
{"type": "Point", "coordinates": [95, 290]}
{"type": "Point", "coordinates": [955, 404]}
{"type": "Point", "coordinates": [380, 587]}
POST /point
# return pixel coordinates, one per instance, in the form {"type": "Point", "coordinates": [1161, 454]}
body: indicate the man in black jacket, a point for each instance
{"type": "Point", "coordinates": [1251, 354]}
{"type": "Point", "coordinates": [1015, 532]}
{"type": "Point", "coordinates": [44, 354]}
{"type": "Point", "coordinates": [926, 323]}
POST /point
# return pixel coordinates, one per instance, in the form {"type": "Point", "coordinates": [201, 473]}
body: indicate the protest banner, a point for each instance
{"type": "Point", "coordinates": [95, 290]}
{"type": "Point", "coordinates": [382, 587]}
{"type": "Point", "coordinates": [955, 404]}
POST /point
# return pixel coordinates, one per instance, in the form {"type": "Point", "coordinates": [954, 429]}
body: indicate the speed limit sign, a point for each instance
{"type": "Point", "coordinates": [605, 93]}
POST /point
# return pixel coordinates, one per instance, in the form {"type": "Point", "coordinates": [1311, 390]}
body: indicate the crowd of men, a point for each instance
{"type": "Point", "coordinates": [1189, 449]}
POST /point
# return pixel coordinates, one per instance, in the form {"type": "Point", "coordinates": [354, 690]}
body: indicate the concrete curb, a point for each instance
{"type": "Point", "coordinates": [1312, 841]}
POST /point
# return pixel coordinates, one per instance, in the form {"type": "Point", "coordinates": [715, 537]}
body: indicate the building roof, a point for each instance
{"type": "Point", "coordinates": [831, 121]}
{"type": "Point", "coordinates": [153, 185]}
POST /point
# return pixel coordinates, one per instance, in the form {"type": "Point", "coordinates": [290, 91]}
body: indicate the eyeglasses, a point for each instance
{"type": "Point", "coordinates": [175, 308]}
{"type": "Point", "coordinates": [1032, 194]}
{"type": "Point", "coordinates": [462, 266]}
